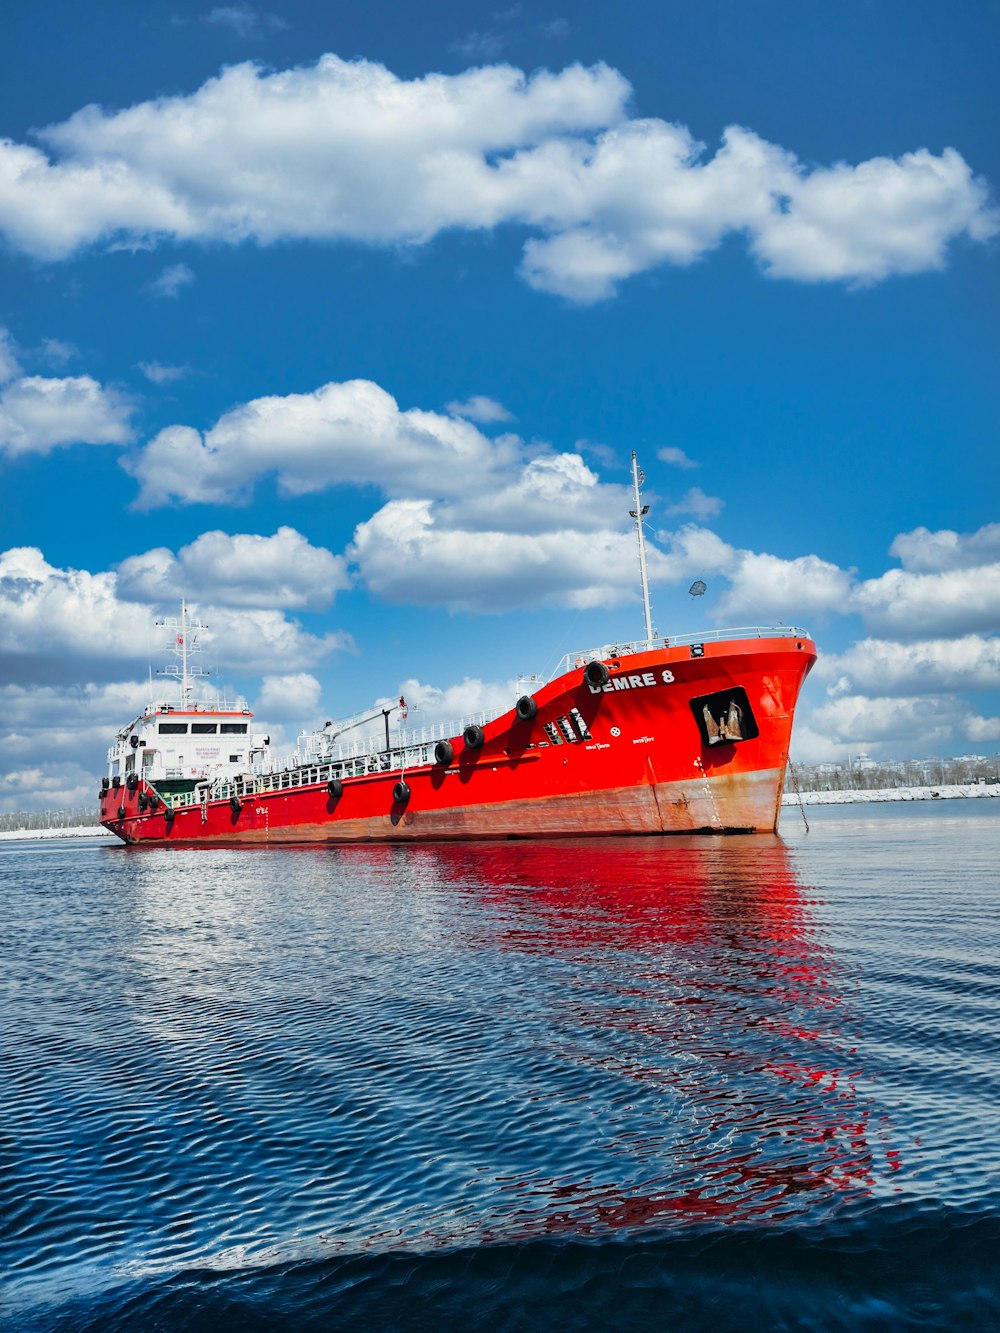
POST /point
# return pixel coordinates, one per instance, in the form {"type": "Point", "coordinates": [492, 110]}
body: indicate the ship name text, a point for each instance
{"type": "Point", "coordinates": [635, 682]}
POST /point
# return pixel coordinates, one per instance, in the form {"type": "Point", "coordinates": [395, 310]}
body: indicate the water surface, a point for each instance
{"type": "Point", "coordinates": [692, 1082]}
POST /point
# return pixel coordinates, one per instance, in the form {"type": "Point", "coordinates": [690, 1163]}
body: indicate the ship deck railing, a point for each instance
{"type": "Point", "coordinates": [366, 757]}
{"type": "Point", "coordinates": [625, 649]}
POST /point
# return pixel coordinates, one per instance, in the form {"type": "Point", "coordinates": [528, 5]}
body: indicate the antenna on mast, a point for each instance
{"type": "Point", "coordinates": [639, 513]}
{"type": "Point", "coordinates": [184, 646]}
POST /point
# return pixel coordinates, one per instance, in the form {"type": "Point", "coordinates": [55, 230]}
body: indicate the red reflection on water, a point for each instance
{"type": "Point", "coordinates": [731, 1005]}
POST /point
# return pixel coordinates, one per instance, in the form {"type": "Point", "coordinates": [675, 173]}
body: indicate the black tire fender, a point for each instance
{"type": "Point", "coordinates": [401, 792]}
{"type": "Point", "coordinates": [596, 674]}
{"type": "Point", "coordinates": [526, 708]}
{"type": "Point", "coordinates": [444, 753]}
{"type": "Point", "coordinates": [473, 737]}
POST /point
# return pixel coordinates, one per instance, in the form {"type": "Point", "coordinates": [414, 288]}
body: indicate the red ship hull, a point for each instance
{"type": "Point", "coordinates": [642, 753]}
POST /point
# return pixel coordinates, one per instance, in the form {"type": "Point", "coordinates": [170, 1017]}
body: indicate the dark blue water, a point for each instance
{"type": "Point", "coordinates": [689, 1084]}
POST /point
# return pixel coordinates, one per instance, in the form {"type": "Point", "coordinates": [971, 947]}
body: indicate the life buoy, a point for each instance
{"type": "Point", "coordinates": [336, 788]}
{"type": "Point", "coordinates": [444, 753]}
{"type": "Point", "coordinates": [596, 674]}
{"type": "Point", "coordinates": [473, 737]}
{"type": "Point", "coordinates": [401, 793]}
{"type": "Point", "coordinates": [525, 708]}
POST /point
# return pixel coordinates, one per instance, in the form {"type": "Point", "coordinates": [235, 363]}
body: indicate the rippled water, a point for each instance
{"type": "Point", "coordinates": [692, 1083]}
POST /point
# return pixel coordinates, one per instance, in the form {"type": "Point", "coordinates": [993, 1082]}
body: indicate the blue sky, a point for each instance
{"type": "Point", "coordinates": [344, 324]}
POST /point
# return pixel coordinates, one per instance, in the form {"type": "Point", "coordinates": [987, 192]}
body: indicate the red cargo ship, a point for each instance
{"type": "Point", "coordinates": [664, 735]}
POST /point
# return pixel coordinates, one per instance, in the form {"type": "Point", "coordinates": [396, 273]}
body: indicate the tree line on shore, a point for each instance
{"type": "Point", "coordinates": [869, 775]}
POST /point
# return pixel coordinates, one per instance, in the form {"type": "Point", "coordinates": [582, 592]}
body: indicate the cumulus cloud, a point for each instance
{"type": "Point", "coordinates": [430, 704]}
{"type": "Point", "coordinates": [924, 552]}
{"type": "Point", "coordinates": [345, 150]}
{"type": "Point", "coordinates": [904, 605]}
{"type": "Point", "coordinates": [243, 569]}
{"type": "Point", "coordinates": [982, 730]}
{"type": "Point", "coordinates": [888, 724]}
{"type": "Point", "coordinates": [352, 433]}
{"type": "Point", "coordinates": [58, 624]}
{"type": "Point", "coordinates": [238, 570]}
{"type": "Point", "coordinates": [37, 414]}
{"type": "Point", "coordinates": [881, 666]}
{"type": "Point", "coordinates": [767, 588]}
{"type": "Point", "coordinates": [289, 698]}
{"type": "Point", "coordinates": [407, 553]}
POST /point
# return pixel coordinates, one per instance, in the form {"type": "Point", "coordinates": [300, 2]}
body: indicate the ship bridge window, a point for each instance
{"type": "Point", "coordinates": [173, 728]}
{"type": "Point", "coordinates": [203, 728]}
{"type": "Point", "coordinates": [233, 728]}
{"type": "Point", "coordinates": [725, 718]}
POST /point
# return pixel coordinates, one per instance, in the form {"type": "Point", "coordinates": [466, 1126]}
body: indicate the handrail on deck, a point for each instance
{"type": "Point", "coordinates": [607, 650]}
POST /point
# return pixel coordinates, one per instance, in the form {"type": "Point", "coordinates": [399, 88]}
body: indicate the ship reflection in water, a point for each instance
{"type": "Point", "coordinates": [672, 1020]}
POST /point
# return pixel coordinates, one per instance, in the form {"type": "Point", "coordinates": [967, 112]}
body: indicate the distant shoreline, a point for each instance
{"type": "Point", "coordinates": [944, 792]}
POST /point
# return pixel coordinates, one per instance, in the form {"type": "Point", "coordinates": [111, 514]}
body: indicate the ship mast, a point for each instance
{"type": "Point", "coordinates": [639, 513]}
{"type": "Point", "coordinates": [183, 647]}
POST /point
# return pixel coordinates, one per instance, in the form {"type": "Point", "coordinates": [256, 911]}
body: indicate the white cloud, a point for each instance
{"type": "Point", "coordinates": [982, 730]}
{"type": "Point", "coordinates": [245, 21]}
{"type": "Point", "coordinates": [171, 280]}
{"type": "Point", "coordinates": [405, 553]}
{"type": "Point", "coordinates": [482, 409]}
{"type": "Point", "coordinates": [430, 704]}
{"type": "Point", "coordinates": [766, 588]}
{"type": "Point", "coordinates": [890, 725]}
{"type": "Point", "coordinates": [880, 666]}
{"type": "Point", "coordinates": [346, 150]}
{"type": "Point", "coordinates": [353, 433]}
{"type": "Point", "coordinates": [157, 373]}
{"type": "Point", "coordinates": [883, 216]}
{"type": "Point", "coordinates": [675, 457]}
{"type": "Point", "coordinates": [56, 352]}
{"type": "Point", "coordinates": [924, 552]}
{"type": "Point", "coordinates": [957, 601]}
{"type": "Point", "coordinates": [37, 414]}
{"type": "Point", "coordinates": [697, 503]}
{"type": "Point", "coordinates": [241, 570]}
{"type": "Point", "coordinates": [53, 622]}
{"type": "Point", "coordinates": [478, 45]}
{"type": "Point", "coordinates": [9, 365]}
{"type": "Point", "coordinates": [292, 698]}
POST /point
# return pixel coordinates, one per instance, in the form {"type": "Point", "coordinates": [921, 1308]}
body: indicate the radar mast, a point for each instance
{"type": "Point", "coordinates": [639, 513]}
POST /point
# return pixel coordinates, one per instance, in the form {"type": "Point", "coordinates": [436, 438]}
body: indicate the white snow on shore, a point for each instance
{"type": "Point", "coordinates": [31, 834]}
{"type": "Point", "coordinates": [943, 792]}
